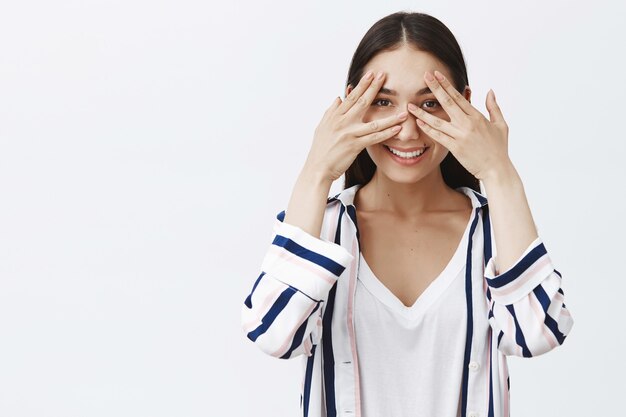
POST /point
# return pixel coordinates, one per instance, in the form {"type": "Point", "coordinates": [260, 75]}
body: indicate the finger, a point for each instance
{"type": "Point", "coordinates": [356, 92]}
{"type": "Point", "coordinates": [440, 124]}
{"type": "Point", "coordinates": [446, 101]}
{"type": "Point", "coordinates": [447, 141]}
{"type": "Point", "coordinates": [377, 137]}
{"type": "Point", "coordinates": [495, 114]}
{"type": "Point", "coordinates": [458, 98]}
{"type": "Point", "coordinates": [364, 102]}
{"type": "Point", "coordinates": [334, 105]}
{"type": "Point", "coordinates": [379, 124]}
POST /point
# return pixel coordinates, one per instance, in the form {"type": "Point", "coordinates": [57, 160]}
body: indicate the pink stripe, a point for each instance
{"type": "Point", "coordinates": [510, 331]}
{"type": "Point", "coordinates": [313, 268]}
{"type": "Point", "coordinates": [523, 278]}
{"type": "Point", "coordinates": [558, 298]}
{"type": "Point", "coordinates": [287, 343]}
{"type": "Point", "coordinates": [538, 310]}
{"type": "Point", "coordinates": [351, 292]}
{"type": "Point", "coordinates": [307, 346]}
{"type": "Point", "coordinates": [269, 300]}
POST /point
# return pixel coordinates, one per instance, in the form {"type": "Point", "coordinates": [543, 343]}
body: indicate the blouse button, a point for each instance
{"type": "Point", "coordinates": [473, 414]}
{"type": "Point", "coordinates": [474, 365]}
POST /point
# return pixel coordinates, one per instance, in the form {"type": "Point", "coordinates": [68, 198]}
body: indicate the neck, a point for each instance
{"type": "Point", "coordinates": [429, 194]}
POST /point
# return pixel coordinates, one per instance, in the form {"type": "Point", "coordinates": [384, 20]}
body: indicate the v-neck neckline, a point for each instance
{"type": "Point", "coordinates": [434, 289]}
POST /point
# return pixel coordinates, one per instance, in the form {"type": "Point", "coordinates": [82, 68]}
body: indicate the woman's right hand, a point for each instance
{"type": "Point", "coordinates": [341, 134]}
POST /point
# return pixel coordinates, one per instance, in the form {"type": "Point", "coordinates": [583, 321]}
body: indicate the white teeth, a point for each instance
{"type": "Point", "coordinates": [407, 154]}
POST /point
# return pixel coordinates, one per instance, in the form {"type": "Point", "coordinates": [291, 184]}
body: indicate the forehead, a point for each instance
{"type": "Point", "coordinates": [405, 66]}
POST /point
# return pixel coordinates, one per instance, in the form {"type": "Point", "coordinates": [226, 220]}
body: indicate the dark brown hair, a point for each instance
{"type": "Point", "coordinates": [425, 33]}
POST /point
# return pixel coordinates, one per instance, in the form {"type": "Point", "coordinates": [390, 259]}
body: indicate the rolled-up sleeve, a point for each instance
{"type": "Point", "coordinates": [527, 310]}
{"type": "Point", "coordinates": [282, 314]}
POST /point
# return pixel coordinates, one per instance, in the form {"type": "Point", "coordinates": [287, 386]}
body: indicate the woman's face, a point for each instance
{"type": "Point", "coordinates": [404, 77]}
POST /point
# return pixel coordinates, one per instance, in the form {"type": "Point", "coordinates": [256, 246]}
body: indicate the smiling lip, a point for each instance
{"type": "Point", "coordinates": [406, 161]}
{"type": "Point", "coordinates": [408, 149]}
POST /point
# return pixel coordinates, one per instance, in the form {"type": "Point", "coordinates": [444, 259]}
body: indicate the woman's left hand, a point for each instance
{"type": "Point", "coordinates": [480, 145]}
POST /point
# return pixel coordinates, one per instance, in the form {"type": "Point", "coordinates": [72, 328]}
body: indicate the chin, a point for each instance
{"type": "Point", "coordinates": [403, 177]}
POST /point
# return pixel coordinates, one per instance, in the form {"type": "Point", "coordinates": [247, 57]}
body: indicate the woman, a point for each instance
{"type": "Point", "coordinates": [388, 291]}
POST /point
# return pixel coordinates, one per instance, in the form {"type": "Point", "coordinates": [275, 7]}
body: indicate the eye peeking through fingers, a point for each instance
{"type": "Point", "coordinates": [426, 105]}
{"type": "Point", "coordinates": [379, 100]}
{"type": "Point", "coordinates": [432, 104]}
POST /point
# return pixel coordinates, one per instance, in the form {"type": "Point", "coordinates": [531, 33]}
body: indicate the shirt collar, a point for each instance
{"type": "Point", "coordinates": [346, 196]}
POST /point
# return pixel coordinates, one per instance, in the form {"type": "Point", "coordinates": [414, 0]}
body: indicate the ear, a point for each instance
{"type": "Point", "coordinates": [467, 93]}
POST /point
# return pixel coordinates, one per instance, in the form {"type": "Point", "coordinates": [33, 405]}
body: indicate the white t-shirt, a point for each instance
{"type": "Point", "coordinates": [411, 358]}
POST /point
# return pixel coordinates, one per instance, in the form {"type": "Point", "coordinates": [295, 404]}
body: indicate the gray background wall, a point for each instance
{"type": "Point", "coordinates": [146, 146]}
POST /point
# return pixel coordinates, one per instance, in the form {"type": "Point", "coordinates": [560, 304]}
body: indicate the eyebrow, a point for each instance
{"type": "Point", "coordinates": [423, 91]}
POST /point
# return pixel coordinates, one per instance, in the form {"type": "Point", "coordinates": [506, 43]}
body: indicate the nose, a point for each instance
{"type": "Point", "coordinates": [410, 130]}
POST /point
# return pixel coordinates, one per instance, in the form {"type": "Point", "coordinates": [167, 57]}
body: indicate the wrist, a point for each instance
{"type": "Point", "coordinates": [315, 178]}
{"type": "Point", "coordinates": [504, 174]}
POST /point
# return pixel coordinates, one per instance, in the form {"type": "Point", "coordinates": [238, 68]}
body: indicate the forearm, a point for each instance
{"type": "Point", "coordinates": [308, 202]}
{"type": "Point", "coordinates": [511, 218]}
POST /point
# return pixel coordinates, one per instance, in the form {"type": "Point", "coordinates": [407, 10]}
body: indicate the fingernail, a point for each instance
{"type": "Point", "coordinates": [439, 76]}
{"type": "Point", "coordinates": [368, 75]}
{"type": "Point", "coordinates": [428, 76]}
{"type": "Point", "coordinates": [412, 107]}
{"type": "Point", "coordinates": [402, 115]}
{"type": "Point", "coordinates": [380, 75]}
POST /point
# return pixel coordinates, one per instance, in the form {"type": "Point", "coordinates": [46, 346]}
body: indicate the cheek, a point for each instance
{"type": "Point", "coordinates": [441, 113]}
{"type": "Point", "coordinates": [374, 152]}
{"type": "Point", "coordinates": [374, 113]}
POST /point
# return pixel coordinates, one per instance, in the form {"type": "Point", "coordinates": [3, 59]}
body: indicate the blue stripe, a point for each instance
{"type": "Point", "coordinates": [554, 328]}
{"type": "Point", "coordinates": [490, 412]}
{"type": "Point", "coordinates": [487, 234]}
{"type": "Point", "coordinates": [470, 318]}
{"type": "Point", "coordinates": [281, 216]}
{"type": "Point", "coordinates": [487, 245]}
{"type": "Point", "coordinates": [308, 376]}
{"type": "Point", "coordinates": [519, 336]}
{"type": "Point", "coordinates": [299, 336]}
{"type": "Point", "coordinates": [517, 270]}
{"type": "Point", "coordinates": [328, 356]}
{"type": "Point", "coordinates": [338, 231]}
{"type": "Point", "coordinates": [304, 253]}
{"type": "Point", "coordinates": [248, 301]}
{"type": "Point", "coordinates": [544, 300]}
{"type": "Point", "coordinates": [327, 339]}
{"type": "Point", "coordinates": [352, 214]}
{"type": "Point", "coordinates": [270, 316]}
{"type": "Point", "coordinates": [550, 323]}
{"type": "Point", "coordinates": [542, 297]}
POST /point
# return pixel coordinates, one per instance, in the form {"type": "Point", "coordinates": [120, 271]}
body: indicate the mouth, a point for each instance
{"type": "Point", "coordinates": [407, 156]}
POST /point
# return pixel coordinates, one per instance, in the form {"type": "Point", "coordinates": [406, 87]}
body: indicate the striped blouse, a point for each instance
{"type": "Point", "coordinates": [302, 304]}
